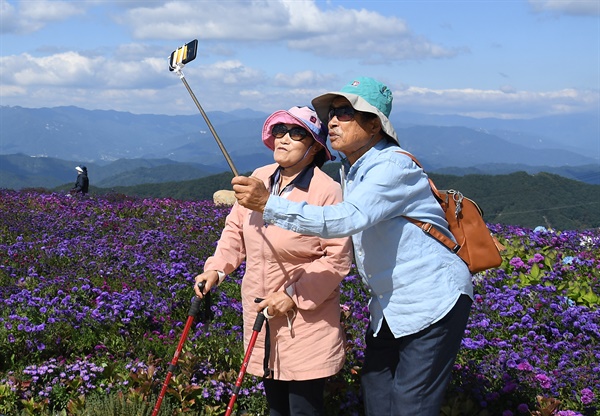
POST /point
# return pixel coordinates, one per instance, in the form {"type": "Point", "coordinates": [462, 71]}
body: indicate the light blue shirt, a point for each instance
{"type": "Point", "coordinates": [413, 280]}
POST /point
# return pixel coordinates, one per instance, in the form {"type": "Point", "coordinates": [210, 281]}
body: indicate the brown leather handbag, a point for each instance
{"type": "Point", "coordinates": [475, 244]}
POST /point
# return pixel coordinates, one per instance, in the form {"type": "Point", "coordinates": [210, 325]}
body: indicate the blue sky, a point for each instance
{"type": "Point", "coordinates": [504, 58]}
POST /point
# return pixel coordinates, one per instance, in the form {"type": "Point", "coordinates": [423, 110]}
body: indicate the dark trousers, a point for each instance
{"type": "Point", "coordinates": [295, 398]}
{"type": "Point", "coordinates": [409, 375]}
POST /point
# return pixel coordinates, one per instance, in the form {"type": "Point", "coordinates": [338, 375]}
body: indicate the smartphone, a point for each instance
{"type": "Point", "coordinates": [183, 54]}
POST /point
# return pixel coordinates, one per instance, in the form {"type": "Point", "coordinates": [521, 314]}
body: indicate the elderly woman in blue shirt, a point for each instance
{"type": "Point", "coordinates": [421, 292]}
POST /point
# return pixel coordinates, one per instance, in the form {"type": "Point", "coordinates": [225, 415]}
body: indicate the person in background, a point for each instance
{"type": "Point", "coordinates": [82, 183]}
{"type": "Point", "coordinates": [420, 292]}
{"type": "Point", "coordinates": [297, 276]}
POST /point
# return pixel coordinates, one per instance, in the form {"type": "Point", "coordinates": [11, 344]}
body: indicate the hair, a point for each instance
{"type": "Point", "coordinates": [320, 158]}
{"type": "Point", "coordinates": [366, 115]}
{"type": "Point", "coordinates": [372, 116]}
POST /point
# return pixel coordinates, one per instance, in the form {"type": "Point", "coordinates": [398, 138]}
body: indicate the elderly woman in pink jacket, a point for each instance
{"type": "Point", "coordinates": [298, 276]}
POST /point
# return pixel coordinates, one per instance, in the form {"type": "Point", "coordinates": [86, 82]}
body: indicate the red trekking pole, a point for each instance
{"type": "Point", "coordinates": [258, 323]}
{"type": "Point", "coordinates": [192, 314]}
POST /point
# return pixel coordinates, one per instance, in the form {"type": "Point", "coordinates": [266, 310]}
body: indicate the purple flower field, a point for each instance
{"type": "Point", "coordinates": [94, 295]}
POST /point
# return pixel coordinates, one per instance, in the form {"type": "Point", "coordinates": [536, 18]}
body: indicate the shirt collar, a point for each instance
{"type": "Point", "coordinates": [302, 180]}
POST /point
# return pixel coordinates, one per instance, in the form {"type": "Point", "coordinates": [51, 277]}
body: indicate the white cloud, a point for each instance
{"type": "Point", "coordinates": [230, 72]}
{"type": "Point", "coordinates": [132, 82]}
{"type": "Point", "coordinates": [49, 11]}
{"type": "Point", "coordinates": [70, 69]}
{"type": "Point", "coordinates": [31, 16]}
{"type": "Point", "coordinates": [304, 79]}
{"type": "Point", "coordinates": [63, 69]}
{"type": "Point", "coordinates": [8, 23]}
{"type": "Point", "coordinates": [568, 7]}
{"type": "Point", "coordinates": [502, 103]}
{"type": "Point", "coordinates": [11, 91]}
{"type": "Point", "coordinates": [134, 76]}
{"type": "Point", "coordinates": [301, 25]}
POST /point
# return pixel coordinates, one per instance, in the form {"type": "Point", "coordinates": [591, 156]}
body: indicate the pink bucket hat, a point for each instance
{"type": "Point", "coordinates": [301, 116]}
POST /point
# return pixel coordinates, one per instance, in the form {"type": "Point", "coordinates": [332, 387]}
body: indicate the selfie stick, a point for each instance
{"type": "Point", "coordinates": [210, 126]}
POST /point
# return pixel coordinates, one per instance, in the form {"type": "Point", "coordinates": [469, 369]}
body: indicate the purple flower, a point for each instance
{"type": "Point", "coordinates": [524, 366]}
{"type": "Point", "coordinates": [516, 262]}
{"type": "Point", "coordinates": [537, 258]}
{"type": "Point", "coordinates": [544, 380]}
{"type": "Point", "coordinates": [587, 396]}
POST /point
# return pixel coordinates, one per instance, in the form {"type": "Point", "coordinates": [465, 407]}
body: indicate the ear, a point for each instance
{"type": "Point", "coordinates": [376, 126]}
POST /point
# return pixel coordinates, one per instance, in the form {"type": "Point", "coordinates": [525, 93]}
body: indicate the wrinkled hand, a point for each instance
{"type": "Point", "coordinates": [210, 278]}
{"type": "Point", "coordinates": [250, 192]}
{"type": "Point", "coordinates": [278, 303]}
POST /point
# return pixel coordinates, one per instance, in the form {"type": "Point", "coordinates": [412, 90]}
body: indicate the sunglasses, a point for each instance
{"type": "Point", "coordinates": [345, 113]}
{"type": "Point", "coordinates": [296, 133]}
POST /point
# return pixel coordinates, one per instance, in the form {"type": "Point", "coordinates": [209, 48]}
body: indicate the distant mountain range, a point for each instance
{"type": "Point", "coordinates": [41, 147]}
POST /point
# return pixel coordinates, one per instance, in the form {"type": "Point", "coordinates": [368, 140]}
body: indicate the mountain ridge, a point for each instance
{"type": "Point", "coordinates": [59, 138]}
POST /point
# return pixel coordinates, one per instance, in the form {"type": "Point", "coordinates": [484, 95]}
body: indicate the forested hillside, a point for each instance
{"type": "Point", "coordinates": [519, 198]}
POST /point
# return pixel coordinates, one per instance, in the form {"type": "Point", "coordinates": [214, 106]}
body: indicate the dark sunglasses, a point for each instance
{"type": "Point", "coordinates": [345, 113]}
{"type": "Point", "coordinates": [296, 133]}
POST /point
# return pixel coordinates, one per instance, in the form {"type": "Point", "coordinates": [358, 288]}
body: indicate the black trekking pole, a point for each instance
{"type": "Point", "coordinates": [192, 314]}
{"type": "Point", "coordinates": [258, 323]}
{"type": "Point", "coordinates": [178, 59]}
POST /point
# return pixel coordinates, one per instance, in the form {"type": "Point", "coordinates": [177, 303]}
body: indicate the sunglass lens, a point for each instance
{"type": "Point", "coordinates": [298, 133]}
{"type": "Point", "coordinates": [345, 113]}
{"type": "Point", "coordinates": [279, 130]}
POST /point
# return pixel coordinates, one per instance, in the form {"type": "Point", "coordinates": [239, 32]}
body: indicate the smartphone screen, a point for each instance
{"type": "Point", "coordinates": [183, 54]}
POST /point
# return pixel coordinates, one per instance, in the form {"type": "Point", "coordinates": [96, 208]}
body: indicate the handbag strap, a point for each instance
{"type": "Point", "coordinates": [428, 228]}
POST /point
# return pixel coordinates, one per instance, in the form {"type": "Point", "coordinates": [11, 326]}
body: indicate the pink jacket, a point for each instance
{"type": "Point", "coordinates": [277, 258]}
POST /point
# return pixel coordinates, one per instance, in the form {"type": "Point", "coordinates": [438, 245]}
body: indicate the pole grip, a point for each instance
{"type": "Point", "coordinates": [195, 306]}
{"type": "Point", "coordinates": [259, 321]}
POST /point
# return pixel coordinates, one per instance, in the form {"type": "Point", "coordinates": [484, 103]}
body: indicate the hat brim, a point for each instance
{"type": "Point", "coordinates": [322, 103]}
{"type": "Point", "coordinates": [284, 117]}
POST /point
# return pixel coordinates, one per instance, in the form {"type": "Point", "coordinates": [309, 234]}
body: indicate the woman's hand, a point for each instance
{"type": "Point", "coordinates": [278, 303]}
{"type": "Point", "coordinates": [210, 279]}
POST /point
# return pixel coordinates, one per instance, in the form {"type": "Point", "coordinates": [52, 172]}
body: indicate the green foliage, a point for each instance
{"type": "Point", "coordinates": [8, 400]}
{"type": "Point", "coordinates": [580, 286]}
{"type": "Point", "coordinates": [462, 405]}
{"type": "Point", "coordinates": [119, 404]}
{"type": "Point", "coordinates": [517, 198]}
{"type": "Point", "coordinates": [196, 189]}
{"type": "Point", "coordinates": [530, 200]}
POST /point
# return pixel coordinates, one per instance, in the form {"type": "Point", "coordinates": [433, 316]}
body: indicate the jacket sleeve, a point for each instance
{"type": "Point", "coordinates": [78, 184]}
{"type": "Point", "coordinates": [386, 188]}
{"type": "Point", "coordinates": [231, 250]}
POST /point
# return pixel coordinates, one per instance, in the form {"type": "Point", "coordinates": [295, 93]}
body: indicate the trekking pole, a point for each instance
{"type": "Point", "coordinates": [258, 323]}
{"type": "Point", "coordinates": [193, 312]}
{"type": "Point", "coordinates": [178, 59]}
